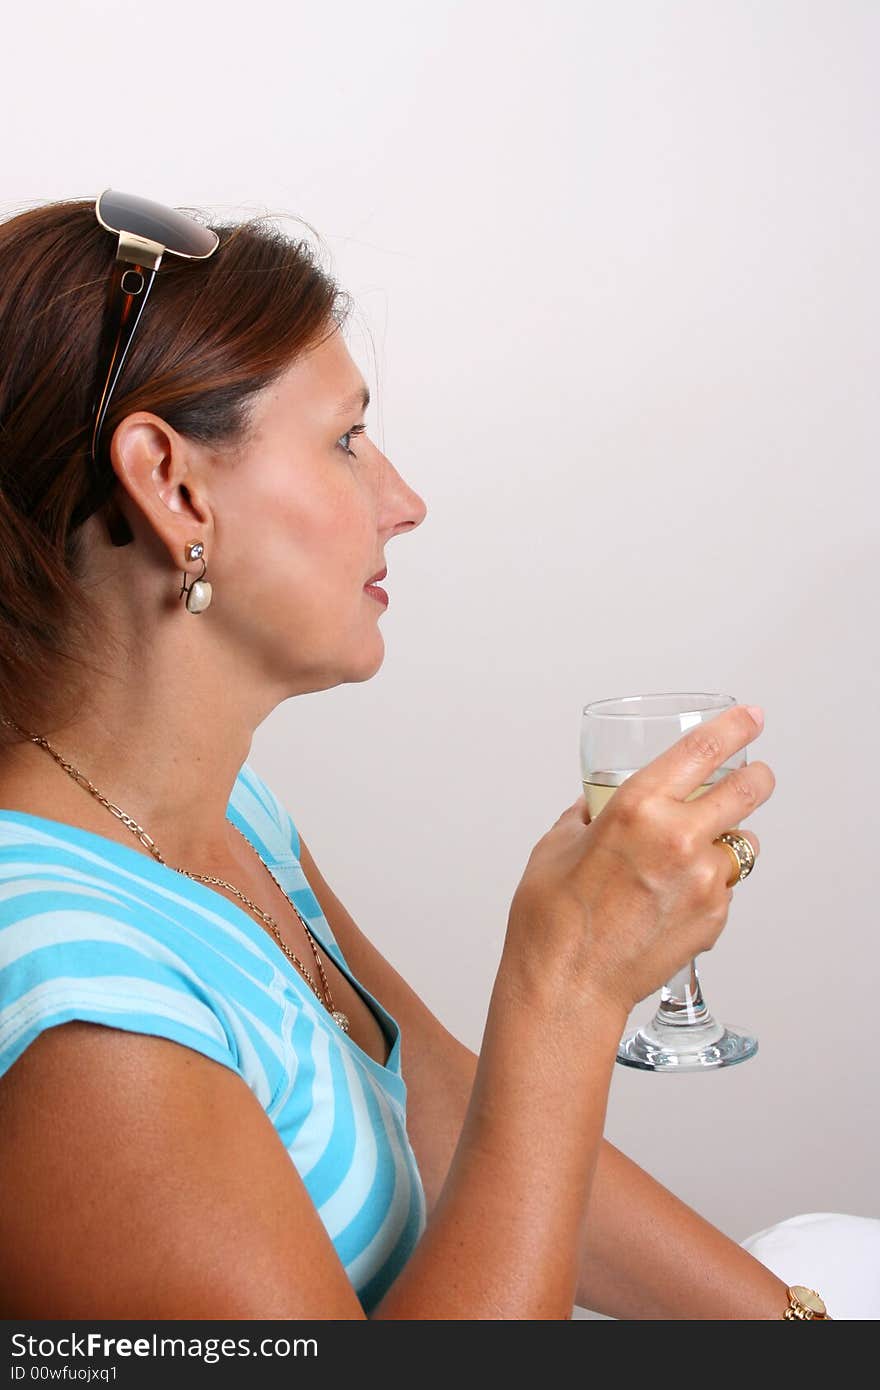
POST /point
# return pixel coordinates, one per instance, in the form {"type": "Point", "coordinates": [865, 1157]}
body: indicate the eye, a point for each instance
{"type": "Point", "coordinates": [355, 429]}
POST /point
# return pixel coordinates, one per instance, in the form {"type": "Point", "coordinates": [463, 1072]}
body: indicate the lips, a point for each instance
{"type": "Point", "coordinates": [377, 577]}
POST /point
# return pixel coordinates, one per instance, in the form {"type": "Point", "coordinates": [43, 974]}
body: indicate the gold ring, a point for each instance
{"type": "Point", "coordinates": [741, 849]}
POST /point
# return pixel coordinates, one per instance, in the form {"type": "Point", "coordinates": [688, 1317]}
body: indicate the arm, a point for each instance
{"type": "Point", "coordinates": [172, 1195]}
{"type": "Point", "coordinates": [141, 1179]}
{"type": "Point", "coordinates": [648, 1255]}
{"type": "Point", "coordinates": [644, 1253]}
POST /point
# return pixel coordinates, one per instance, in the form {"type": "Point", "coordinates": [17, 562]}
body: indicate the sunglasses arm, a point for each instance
{"type": "Point", "coordinates": [134, 270]}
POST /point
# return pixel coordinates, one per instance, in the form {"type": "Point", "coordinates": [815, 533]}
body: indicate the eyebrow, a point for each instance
{"type": "Point", "coordinates": [361, 398]}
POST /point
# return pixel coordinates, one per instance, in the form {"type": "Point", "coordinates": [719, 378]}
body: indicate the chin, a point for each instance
{"type": "Point", "coordinates": [330, 677]}
{"type": "Point", "coordinates": [371, 668]}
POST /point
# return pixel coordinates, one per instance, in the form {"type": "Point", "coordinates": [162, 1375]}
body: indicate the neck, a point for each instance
{"type": "Point", "coordinates": [165, 724]}
{"type": "Point", "coordinates": [151, 747]}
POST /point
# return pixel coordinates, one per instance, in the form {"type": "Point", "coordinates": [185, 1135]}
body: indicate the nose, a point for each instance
{"type": "Point", "coordinates": [405, 509]}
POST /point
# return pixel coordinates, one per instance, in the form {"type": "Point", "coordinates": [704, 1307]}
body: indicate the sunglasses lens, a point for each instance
{"type": "Point", "coordinates": [124, 212]}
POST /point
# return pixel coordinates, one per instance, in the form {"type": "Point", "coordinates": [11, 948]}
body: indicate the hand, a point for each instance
{"type": "Point", "coordinates": [618, 905]}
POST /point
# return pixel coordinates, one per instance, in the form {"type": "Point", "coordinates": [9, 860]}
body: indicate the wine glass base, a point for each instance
{"type": "Point", "coordinates": [653, 1048]}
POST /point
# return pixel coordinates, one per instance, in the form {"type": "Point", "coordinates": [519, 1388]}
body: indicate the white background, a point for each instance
{"type": "Point", "coordinates": [615, 267]}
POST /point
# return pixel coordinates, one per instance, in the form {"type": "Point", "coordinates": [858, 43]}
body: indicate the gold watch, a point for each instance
{"type": "Point", "coordinates": [804, 1304]}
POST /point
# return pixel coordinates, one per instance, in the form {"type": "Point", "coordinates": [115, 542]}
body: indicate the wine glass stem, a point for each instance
{"type": "Point", "coordinates": [681, 1000]}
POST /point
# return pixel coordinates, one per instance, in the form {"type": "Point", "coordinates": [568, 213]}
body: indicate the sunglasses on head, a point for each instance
{"type": "Point", "coordinates": [146, 232]}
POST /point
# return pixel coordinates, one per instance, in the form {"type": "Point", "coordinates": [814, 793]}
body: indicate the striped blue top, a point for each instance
{"type": "Point", "coordinates": [95, 930]}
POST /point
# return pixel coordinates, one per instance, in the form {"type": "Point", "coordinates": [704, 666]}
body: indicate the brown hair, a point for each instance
{"type": "Point", "coordinates": [214, 333]}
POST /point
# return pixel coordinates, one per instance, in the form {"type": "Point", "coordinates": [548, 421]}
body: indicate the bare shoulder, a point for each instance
{"type": "Point", "coordinates": [438, 1069]}
{"type": "Point", "coordinates": [143, 1180]}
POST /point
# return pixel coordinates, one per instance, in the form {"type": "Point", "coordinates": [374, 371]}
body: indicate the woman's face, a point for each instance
{"type": "Point", "coordinates": [301, 522]}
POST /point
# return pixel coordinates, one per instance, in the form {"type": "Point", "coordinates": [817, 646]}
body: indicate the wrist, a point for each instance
{"type": "Point", "coordinates": [560, 1000]}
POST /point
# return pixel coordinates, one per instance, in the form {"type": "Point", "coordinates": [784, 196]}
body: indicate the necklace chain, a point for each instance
{"type": "Point", "coordinates": [149, 843]}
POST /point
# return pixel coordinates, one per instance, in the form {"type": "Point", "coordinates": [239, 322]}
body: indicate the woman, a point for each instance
{"type": "Point", "coordinates": [185, 1005]}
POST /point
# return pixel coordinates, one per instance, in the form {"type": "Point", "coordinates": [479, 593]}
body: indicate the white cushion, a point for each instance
{"type": "Point", "coordinates": [836, 1254]}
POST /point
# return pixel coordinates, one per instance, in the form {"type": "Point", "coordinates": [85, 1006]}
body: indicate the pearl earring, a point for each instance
{"type": "Point", "coordinates": [199, 593]}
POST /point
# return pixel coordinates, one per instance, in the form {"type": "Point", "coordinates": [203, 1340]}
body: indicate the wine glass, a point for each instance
{"type": "Point", "coordinates": [617, 738]}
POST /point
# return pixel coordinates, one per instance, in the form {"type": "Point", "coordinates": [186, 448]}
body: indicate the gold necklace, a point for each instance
{"type": "Point", "coordinates": [147, 841]}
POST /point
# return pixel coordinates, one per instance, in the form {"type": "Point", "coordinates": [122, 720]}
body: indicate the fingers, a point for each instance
{"type": "Point", "coordinates": [733, 797]}
{"type": "Point", "coordinates": [691, 762]}
{"type": "Point", "coordinates": [578, 810]}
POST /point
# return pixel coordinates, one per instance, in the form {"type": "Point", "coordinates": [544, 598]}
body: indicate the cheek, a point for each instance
{"type": "Point", "coordinates": [293, 542]}
{"type": "Point", "coordinates": [302, 549]}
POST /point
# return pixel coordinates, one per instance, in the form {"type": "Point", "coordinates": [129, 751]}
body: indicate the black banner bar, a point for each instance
{"type": "Point", "coordinates": [134, 1354]}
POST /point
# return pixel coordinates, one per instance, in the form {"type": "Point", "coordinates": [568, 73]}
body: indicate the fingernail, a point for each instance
{"type": "Point", "coordinates": [757, 714]}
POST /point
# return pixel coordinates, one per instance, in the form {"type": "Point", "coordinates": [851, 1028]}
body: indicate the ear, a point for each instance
{"type": "Point", "coordinates": [159, 484]}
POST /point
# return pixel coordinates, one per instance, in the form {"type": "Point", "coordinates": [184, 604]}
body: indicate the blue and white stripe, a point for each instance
{"type": "Point", "coordinates": [92, 929]}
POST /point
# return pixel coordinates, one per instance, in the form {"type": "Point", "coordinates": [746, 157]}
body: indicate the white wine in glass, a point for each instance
{"type": "Point", "coordinates": [618, 737]}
